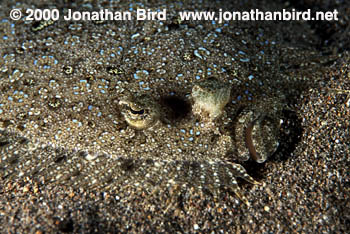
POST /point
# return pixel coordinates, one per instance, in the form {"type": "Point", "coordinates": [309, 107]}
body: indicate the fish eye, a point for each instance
{"type": "Point", "coordinates": [135, 112]}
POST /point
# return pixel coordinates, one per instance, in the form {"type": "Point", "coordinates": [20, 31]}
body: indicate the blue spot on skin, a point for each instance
{"type": "Point", "coordinates": [250, 77]}
{"type": "Point", "coordinates": [245, 60]}
{"type": "Point", "coordinates": [135, 35]}
{"type": "Point", "coordinates": [5, 37]}
{"type": "Point", "coordinates": [90, 107]}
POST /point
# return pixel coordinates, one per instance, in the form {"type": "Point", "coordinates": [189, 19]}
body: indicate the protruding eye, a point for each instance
{"type": "Point", "coordinates": [210, 97]}
{"type": "Point", "coordinates": [140, 112]}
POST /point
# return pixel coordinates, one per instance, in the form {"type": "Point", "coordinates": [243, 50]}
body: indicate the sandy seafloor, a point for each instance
{"type": "Point", "coordinates": [305, 185]}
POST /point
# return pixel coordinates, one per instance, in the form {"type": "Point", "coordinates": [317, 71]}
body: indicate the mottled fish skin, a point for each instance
{"type": "Point", "coordinates": [61, 87]}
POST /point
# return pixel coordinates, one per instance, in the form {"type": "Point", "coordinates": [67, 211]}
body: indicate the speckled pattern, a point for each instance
{"type": "Point", "coordinates": [69, 161]}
